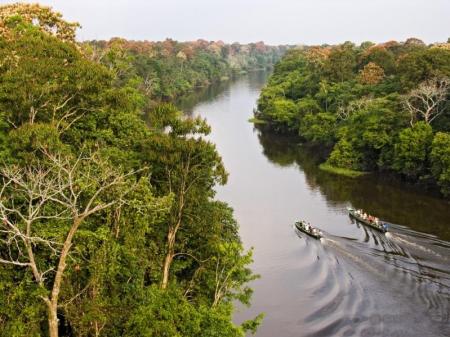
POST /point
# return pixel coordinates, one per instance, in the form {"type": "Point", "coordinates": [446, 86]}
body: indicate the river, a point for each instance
{"type": "Point", "coordinates": [353, 282]}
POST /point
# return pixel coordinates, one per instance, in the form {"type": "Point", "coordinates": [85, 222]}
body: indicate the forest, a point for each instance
{"type": "Point", "coordinates": [109, 225]}
{"type": "Point", "coordinates": [373, 107]}
{"type": "Point", "coordinates": [169, 69]}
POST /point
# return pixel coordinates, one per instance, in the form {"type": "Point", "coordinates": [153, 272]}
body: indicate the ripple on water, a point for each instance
{"type": "Point", "coordinates": [340, 307]}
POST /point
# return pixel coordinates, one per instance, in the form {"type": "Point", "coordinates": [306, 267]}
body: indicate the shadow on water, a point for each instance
{"type": "Point", "coordinates": [203, 95]}
{"type": "Point", "coordinates": [388, 198]}
{"type": "Point", "coordinates": [188, 102]}
{"type": "Point", "coordinates": [407, 261]}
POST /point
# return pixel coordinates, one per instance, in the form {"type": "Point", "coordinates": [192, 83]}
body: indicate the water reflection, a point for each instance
{"type": "Point", "coordinates": [388, 198]}
{"type": "Point", "coordinates": [408, 260]}
{"type": "Point", "coordinates": [207, 94]}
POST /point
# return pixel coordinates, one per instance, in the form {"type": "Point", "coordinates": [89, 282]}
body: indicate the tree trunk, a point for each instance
{"type": "Point", "coordinates": [171, 241]}
{"type": "Point", "coordinates": [166, 270]}
{"type": "Point", "coordinates": [169, 258]}
{"type": "Point", "coordinates": [171, 235]}
{"type": "Point", "coordinates": [53, 302]}
{"type": "Point", "coordinates": [52, 319]}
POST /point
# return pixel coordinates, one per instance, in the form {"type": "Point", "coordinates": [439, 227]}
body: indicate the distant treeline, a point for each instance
{"type": "Point", "coordinates": [108, 224]}
{"type": "Point", "coordinates": [376, 106]}
{"type": "Point", "coordinates": [168, 69]}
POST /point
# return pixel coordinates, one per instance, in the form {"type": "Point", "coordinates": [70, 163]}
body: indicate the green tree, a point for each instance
{"type": "Point", "coordinates": [97, 234]}
{"type": "Point", "coordinates": [320, 128]}
{"type": "Point", "coordinates": [341, 63]}
{"type": "Point", "coordinates": [43, 18]}
{"type": "Point", "coordinates": [346, 156]}
{"type": "Point", "coordinates": [188, 170]}
{"type": "Point", "coordinates": [412, 150]}
{"type": "Point", "coordinates": [440, 161]}
{"type": "Point", "coordinates": [47, 203]}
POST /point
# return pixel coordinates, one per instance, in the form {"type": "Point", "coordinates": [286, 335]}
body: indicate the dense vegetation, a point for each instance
{"type": "Point", "coordinates": [169, 69]}
{"type": "Point", "coordinates": [376, 107]}
{"type": "Point", "coordinates": [109, 226]}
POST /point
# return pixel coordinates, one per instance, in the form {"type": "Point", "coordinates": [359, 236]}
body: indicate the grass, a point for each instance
{"type": "Point", "coordinates": [255, 120]}
{"type": "Point", "coordinates": [341, 171]}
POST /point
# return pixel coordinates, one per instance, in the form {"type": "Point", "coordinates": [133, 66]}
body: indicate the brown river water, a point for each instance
{"type": "Point", "coordinates": [354, 281]}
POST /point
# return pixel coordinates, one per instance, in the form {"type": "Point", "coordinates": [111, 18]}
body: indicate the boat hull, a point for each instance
{"type": "Point", "coordinates": [380, 228]}
{"type": "Point", "coordinates": [300, 226]}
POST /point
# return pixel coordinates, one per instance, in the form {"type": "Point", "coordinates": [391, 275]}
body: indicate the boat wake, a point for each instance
{"type": "Point", "coordinates": [376, 284]}
{"type": "Point", "coordinates": [402, 239]}
{"type": "Point", "coordinates": [405, 275]}
{"type": "Point", "coordinates": [371, 283]}
{"type": "Point", "coordinates": [340, 305]}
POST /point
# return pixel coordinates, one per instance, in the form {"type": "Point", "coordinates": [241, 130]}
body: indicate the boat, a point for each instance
{"type": "Point", "coordinates": [376, 224]}
{"type": "Point", "coordinates": [308, 229]}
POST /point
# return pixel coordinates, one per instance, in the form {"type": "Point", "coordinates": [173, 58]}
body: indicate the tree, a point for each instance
{"type": "Point", "coordinates": [420, 65]}
{"type": "Point", "coordinates": [412, 41]}
{"type": "Point", "coordinates": [427, 101]}
{"type": "Point", "coordinates": [440, 161]}
{"type": "Point", "coordinates": [344, 155]}
{"type": "Point", "coordinates": [371, 74]}
{"type": "Point", "coordinates": [83, 241]}
{"type": "Point", "coordinates": [282, 113]}
{"type": "Point", "coordinates": [168, 313]}
{"type": "Point", "coordinates": [42, 207]}
{"type": "Point", "coordinates": [381, 56]}
{"type": "Point", "coordinates": [320, 128]}
{"type": "Point", "coordinates": [412, 150]}
{"type": "Point", "coordinates": [341, 63]}
{"type": "Point", "coordinates": [188, 170]}
{"type": "Point", "coordinates": [42, 17]}
{"type": "Point", "coordinates": [47, 80]}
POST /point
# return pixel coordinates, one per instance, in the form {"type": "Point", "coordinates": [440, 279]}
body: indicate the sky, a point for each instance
{"type": "Point", "coordinates": [271, 21]}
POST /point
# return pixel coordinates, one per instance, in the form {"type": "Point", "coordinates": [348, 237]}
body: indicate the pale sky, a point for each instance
{"type": "Point", "coordinates": [273, 21]}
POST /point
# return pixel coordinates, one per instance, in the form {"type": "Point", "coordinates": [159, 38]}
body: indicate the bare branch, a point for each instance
{"type": "Point", "coordinates": [426, 101]}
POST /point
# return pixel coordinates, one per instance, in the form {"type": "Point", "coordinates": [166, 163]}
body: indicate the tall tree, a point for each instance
{"type": "Point", "coordinates": [427, 101]}
{"type": "Point", "coordinates": [42, 207]}
{"type": "Point", "coordinates": [188, 170]}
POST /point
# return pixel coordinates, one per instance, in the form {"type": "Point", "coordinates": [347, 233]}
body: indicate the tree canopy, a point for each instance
{"type": "Point", "coordinates": [109, 225]}
{"type": "Point", "coordinates": [375, 106]}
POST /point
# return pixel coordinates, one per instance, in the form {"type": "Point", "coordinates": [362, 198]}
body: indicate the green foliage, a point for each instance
{"type": "Point", "coordinates": [319, 127]}
{"type": "Point", "coordinates": [440, 160]}
{"type": "Point", "coordinates": [341, 63]}
{"type": "Point", "coordinates": [412, 150]}
{"type": "Point", "coordinates": [283, 112]}
{"type": "Point", "coordinates": [344, 155]}
{"type": "Point", "coordinates": [168, 69]}
{"type": "Point", "coordinates": [382, 57]}
{"type": "Point", "coordinates": [56, 103]}
{"type": "Point", "coordinates": [21, 311]}
{"type": "Point", "coordinates": [168, 313]}
{"type": "Point", "coordinates": [423, 64]}
{"type": "Point", "coordinates": [353, 99]}
{"type": "Point", "coordinates": [340, 171]}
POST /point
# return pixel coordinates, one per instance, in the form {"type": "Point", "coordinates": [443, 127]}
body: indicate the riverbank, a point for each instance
{"type": "Point", "coordinates": [367, 108]}
{"type": "Point", "coordinates": [341, 171]}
